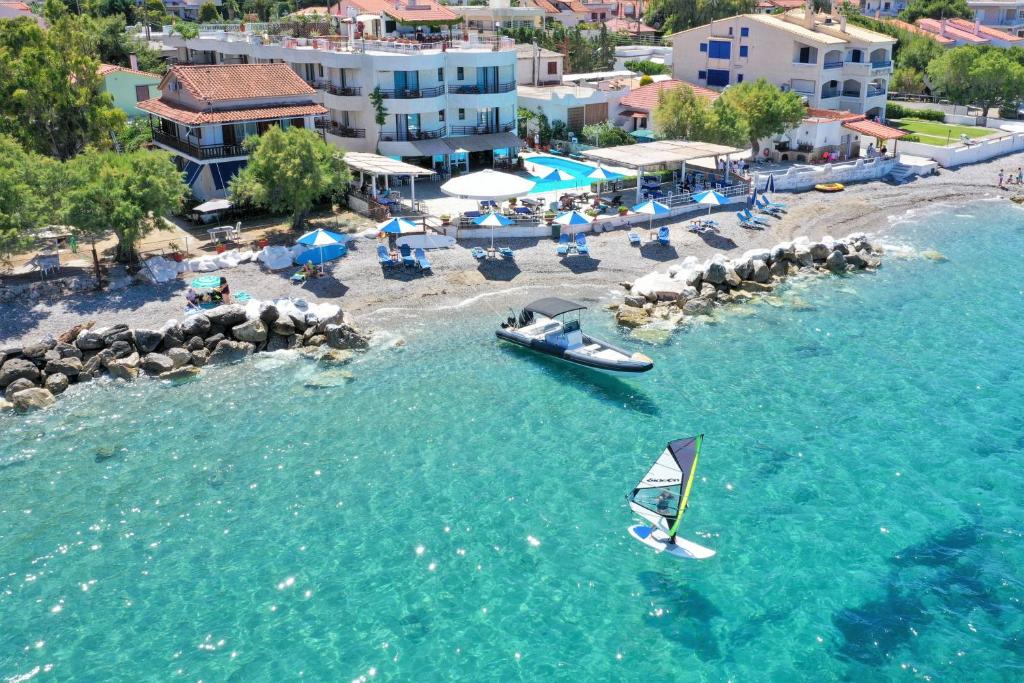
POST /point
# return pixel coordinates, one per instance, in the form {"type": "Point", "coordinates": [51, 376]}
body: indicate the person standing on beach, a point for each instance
{"type": "Point", "coordinates": [1000, 179]}
{"type": "Point", "coordinates": [1020, 175]}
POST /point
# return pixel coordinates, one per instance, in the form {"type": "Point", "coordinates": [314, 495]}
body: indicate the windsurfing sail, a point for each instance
{"type": "Point", "coordinates": [661, 495]}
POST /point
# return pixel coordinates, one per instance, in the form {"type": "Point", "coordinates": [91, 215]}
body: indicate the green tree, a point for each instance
{"type": "Point", "coordinates": [678, 15]}
{"type": "Point", "coordinates": [682, 115]}
{"type": "Point", "coordinates": [907, 80]}
{"type": "Point", "coordinates": [647, 67]}
{"type": "Point", "coordinates": [127, 194]}
{"type": "Point", "coordinates": [134, 135]}
{"type": "Point", "coordinates": [51, 97]}
{"type": "Point", "coordinates": [936, 9]}
{"type": "Point", "coordinates": [765, 109]}
{"type": "Point", "coordinates": [113, 45]}
{"type": "Point", "coordinates": [604, 134]}
{"type": "Point", "coordinates": [523, 118]}
{"type": "Point", "coordinates": [380, 111]}
{"type": "Point", "coordinates": [917, 53]}
{"type": "Point", "coordinates": [726, 126]}
{"type": "Point", "coordinates": [208, 13]}
{"type": "Point", "coordinates": [972, 75]}
{"type": "Point", "coordinates": [27, 188]}
{"type": "Point", "coordinates": [289, 170]}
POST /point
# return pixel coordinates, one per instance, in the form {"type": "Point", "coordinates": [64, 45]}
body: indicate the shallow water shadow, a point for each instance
{"type": "Point", "coordinates": [605, 388]}
{"type": "Point", "coordinates": [656, 251]}
{"type": "Point", "coordinates": [873, 631]}
{"type": "Point", "coordinates": [939, 550]}
{"type": "Point", "coordinates": [500, 270]}
{"type": "Point", "coordinates": [681, 614]}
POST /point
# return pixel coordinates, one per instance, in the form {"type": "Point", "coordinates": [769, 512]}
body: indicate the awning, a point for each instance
{"type": "Point", "coordinates": [213, 205]}
{"type": "Point", "coordinates": [553, 306]}
{"type": "Point", "coordinates": [482, 143]}
{"type": "Point", "coordinates": [414, 148]}
{"type": "Point", "coordinates": [381, 165]}
{"type": "Point", "coordinates": [875, 130]}
{"type": "Point", "coordinates": [634, 113]}
{"type": "Point", "coordinates": [225, 171]}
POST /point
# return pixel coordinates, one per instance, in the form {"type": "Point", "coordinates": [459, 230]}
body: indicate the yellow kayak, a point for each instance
{"type": "Point", "coordinates": [829, 187]}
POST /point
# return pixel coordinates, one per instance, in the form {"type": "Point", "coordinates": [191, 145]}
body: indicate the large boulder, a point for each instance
{"type": "Point", "coordinates": [627, 316]}
{"type": "Point", "coordinates": [89, 340]}
{"type": "Point", "coordinates": [804, 257]}
{"type": "Point", "coordinates": [17, 368]}
{"type": "Point", "coordinates": [269, 312]}
{"type": "Point", "coordinates": [685, 295]}
{"type": "Point", "coordinates": [213, 340]}
{"type": "Point", "coordinates": [698, 306]}
{"type": "Point", "coordinates": [195, 326]}
{"type": "Point", "coordinates": [174, 336]}
{"type": "Point", "coordinates": [57, 383]}
{"type": "Point", "coordinates": [155, 363]}
{"type": "Point", "coordinates": [34, 351]}
{"type": "Point", "coordinates": [179, 356]}
{"type": "Point", "coordinates": [760, 273]}
{"type": "Point", "coordinates": [90, 368]}
{"type": "Point", "coordinates": [17, 385]}
{"type": "Point", "coordinates": [631, 300]}
{"type": "Point", "coordinates": [252, 331]}
{"type": "Point", "coordinates": [68, 350]}
{"type": "Point", "coordinates": [819, 250]}
{"type": "Point", "coordinates": [119, 332]}
{"type": "Point", "coordinates": [119, 349]}
{"type": "Point", "coordinates": [32, 399]}
{"type": "Point", "coordinates": [147, 340]}
{"type": "Point", "coordinates": [715, 271]}
{"type": "Point", "coordinates": [779, 268]}
{"type": "Point", "coordinates": [345, 337]}
{"type": "Point", "coordinates": [836, 262]}
{"type": "Point", "coordinates": [132, 360]}
{"type": "Point", "coordinates": [284, 326]}
{"type": "Point", "coordinates": [228, 351]}
{"type": "Point", "coordinates": [657, 287]}
{"type": "Point", "coordinates": [731, 277]}
{"type": "Point", "coordinates": [277, 342]}
{"type": "Point", "coordinates": [755, 287]}
{"type": "Point", "coordinates": [195, 343]}
{"type": "Point", "coordinates": [856, 260]}
{"type": "Point", "coordinates": [745, 269]}
{"type": "Point", "coordinates": [336, 357]}
{"type": "Point", "coordinates": [119, 369]}
{"type": "Point", "coordinates": [228, 315]}
{"type": "Point", "coordinates": [184, 372]}
{"type": "Point", "coordinates": [200, 357]}
{"type": "Point", "coordinates": [70, 367]}
{"type": "Point", "coordinates": [784, 251]}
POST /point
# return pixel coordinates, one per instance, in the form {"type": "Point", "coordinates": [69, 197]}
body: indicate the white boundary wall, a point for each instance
{"type": "Point", "coordinates": [799, 178]}
{"type": "Point", "coordinates": [958, 155]}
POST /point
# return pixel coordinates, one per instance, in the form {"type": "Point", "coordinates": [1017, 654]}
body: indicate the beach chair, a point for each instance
{"type": "Point", "coordinates": [709, 224]}
{"type": "Point", "coordinates": [422, 260]}
{"type": "Point", "coordinates": [751, 218]}
{"type": "Point", "coordinates": [663, 235]}
{"type": "Point", "coordinates": [764, 207]}
{"type": "Point", "coordinates": [563, 245]}
{"type": "Point", "coordinates": [581, 244]}
{"type": "Point", "coordinates": [634, 238]}
{"type": "Point", "coordinates": [769, 202]}
{"type": "Point", "coordinates": [506, 253]}
{"type": "Point", "coordinates": [407, 258]}
{"type": "Point", "coordinates": [384, 256]}
{"type": "Point", "coordinates": [478, 253]}
{"type": "Point", "coordinates": [744, 223]}
{"type": "Point", "coordinates": [523, 210]}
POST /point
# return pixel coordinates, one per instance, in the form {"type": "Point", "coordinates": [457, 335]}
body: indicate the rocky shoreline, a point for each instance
{"type": "Point", "coordinates": [693, 288]}
{"type": "Point", "coordinates": [31, 376]}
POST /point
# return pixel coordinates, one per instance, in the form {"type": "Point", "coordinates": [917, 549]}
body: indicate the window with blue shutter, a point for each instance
{"type": "Point", "coordinates": [719, 49]}
{"type": "Point", "coordinates": [744, 32]}
{"type": "Point", "coordinates": [702, 75]}
{"type": "Point", "coordinates": [739, 78]}
{"type": "Point", "coordinates": [718, 77]}
{"type": "Point", "coordinates": [743, 50]}
{"type": "Point", "coordinates": [703, 47]}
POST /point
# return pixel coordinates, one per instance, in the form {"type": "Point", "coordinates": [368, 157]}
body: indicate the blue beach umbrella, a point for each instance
{"type": "Point", "coordinates": [770, 185]}
{"type": "Point", "coordinates": [651, 208]}
{"type": "Point", "coordinates": [559, 174]}
{"type": "Point", "coordinates": [601, 175]}
{"type": "Point", "coordinates": [493, 220]}
{"type": "Point", "coordinates": [398, 226]}
{"type": "Point", "coordinates": [320, 239]}
{"type": "Point", "coordinates": [711, 198]}
{"type": "Point", "coordinates": [572, 218]}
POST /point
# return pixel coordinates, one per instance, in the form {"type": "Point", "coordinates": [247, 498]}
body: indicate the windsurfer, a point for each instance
{"type": "Point", "coordinates": [663, 500]}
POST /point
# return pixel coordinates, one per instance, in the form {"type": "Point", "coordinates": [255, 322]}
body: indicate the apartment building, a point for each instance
{"type": "Point", "coordinates": [205, 113]}
{"type": "Point", "coordinates": [187, 9]}
{"type": "Point", "coordinates": [1004, 15]}
{"type": "Point", "coordinates": [496, 15]}
{"type": "Point", "coordinates": [832, 64]}
{"type": "Point", "coordinates": [536, 65]}
{"type": "Point", "coordinates": [882, 8]}
{"type": "Point", "coordinates": [957, 32]}
{"type": "Point", "coordinates": [636, 109]}
{"type": "Point", "coordinates": [442, 95]}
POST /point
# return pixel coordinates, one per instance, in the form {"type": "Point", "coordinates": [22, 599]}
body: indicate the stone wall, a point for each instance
{"type": "Point", "coordinates": [799, 178]}
{"type": "Point", "coordinates": [958, 155]}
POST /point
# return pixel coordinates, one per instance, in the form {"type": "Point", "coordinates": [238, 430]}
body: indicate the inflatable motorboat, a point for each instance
{"type": "Point", "coordinates": [552, 327]}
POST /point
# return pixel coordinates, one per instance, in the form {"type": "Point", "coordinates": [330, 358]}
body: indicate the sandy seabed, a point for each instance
{"type": "Point", "coordinates": [376, 298]}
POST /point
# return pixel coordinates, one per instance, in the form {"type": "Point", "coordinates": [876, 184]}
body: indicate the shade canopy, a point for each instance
{"type": "Point", "coordinates": [559, 174]}
{"type": "Point", "coordinates": [494, 220]}
{"type": "Point", "coordinates": [321, 255]}
{"type": "Point", "coordinates": [769, 186]}
{"type": "Point", "coordinates": [553, 306]}
{"type": "Point", "coordinates": [375, 164]}
{"type": "Point", "coordinates": [642, 134]}
{"type": "Point", "coordinates": [657, 152]}
{"type": "Point", "coordinates": [711, 198]}
{"type": "Point", "coordinates": [398, 226]}
{"type": "Point", "coordinates": [574, 218]}
{"type": "Point", "coordinates": [487, 184]}
{"type": "Point", "coordinates": [652, 208]}
{"type": "Point", "coordinates": [321, 238]}
{"type": "Point", "coordinates": [213, 205]}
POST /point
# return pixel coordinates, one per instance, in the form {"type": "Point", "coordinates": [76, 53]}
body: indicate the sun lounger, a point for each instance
{"type": "Point", "coordinates": [506, 253]}
{"type": "Point", "coordinates": [422, 260]}
{"type": "Point", "coordinates": [581, 243]}
{"type": "Point", "coordinates": [769, 202]}
{"type": "Point", "coordinates": [744, 223]}
{"type": "Point", "coordinates": [523, 210]}
{"type": "Point", "coordinates": [563, 245]}
{"type": "Point", "coordinates": [663, 235]}
{"type": "Point", "coordinates": [751, 218]}
{"type": "Point", "coordinates": [383, 256]}
{"type": "Point", "coordinates": [767, 208]}
{"type": "Point", "coordinates": [479, 253]}
{"type": "Point", "coordinates": [407, 258]}
{"type": "Point", "coordinates": [634, 238]}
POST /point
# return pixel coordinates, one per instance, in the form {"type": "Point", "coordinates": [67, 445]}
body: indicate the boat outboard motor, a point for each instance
{"type": "Point", "coordinates": [525, 318]}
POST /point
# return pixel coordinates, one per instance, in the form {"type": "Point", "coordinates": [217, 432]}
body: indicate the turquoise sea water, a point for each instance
{"type": "Point", "coordinates": [457, 511]}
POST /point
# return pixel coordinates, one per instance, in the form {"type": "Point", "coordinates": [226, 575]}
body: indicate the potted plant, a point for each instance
{"type": "Point", "coordinates": [623, 210]}
{"type": "Point", "coordinates": [549, 217]}
{"type": "Point", "coordinates": [592, 213]}
{"type": "Point", "coordinates": [262, 242]}
{"type": "Point", "coordinates": [221, 248]}
{"type": "Point", "coordinates": [446, 219]}
{"type": "Point", "coordinates": [176, 251]}
{"type": "Point", "coordinates": [512, 201]}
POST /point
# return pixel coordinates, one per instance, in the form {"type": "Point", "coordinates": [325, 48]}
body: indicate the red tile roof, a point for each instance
{"type": "Point", "coordinates": [985, 31]}
{"type": "Point", "coordinates": [406, 12]}
{"type": "Point", "coordinates": [546, 6]}
{"type": "Point", "coordinates": [874, 129]}
{"type": "Point", "coordinates": [226, 82]}
{"type": "Point", "coordinates": [107, 69]}
{"type": "Point", "coordinates": [831, 114]}
{"type": "Point", "coordinates": [646, 97]}
{"type": "Point", "coordinates": [628, 26]}
{"type": "Point", "coordinates": [188, 117]}
{"type": "Point", "coordinates": [917, 30]}
{"type": "Point", "coordinates": [787, 4]}
{"type": "Point", "coordinates": [935, 26]}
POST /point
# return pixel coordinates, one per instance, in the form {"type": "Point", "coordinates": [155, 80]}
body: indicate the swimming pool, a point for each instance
{"type": "Point", "coordinates": [576, 169]}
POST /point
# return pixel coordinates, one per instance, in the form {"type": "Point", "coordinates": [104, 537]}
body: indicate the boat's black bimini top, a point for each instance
{"type": "Point", "coordinates": [552, 306]}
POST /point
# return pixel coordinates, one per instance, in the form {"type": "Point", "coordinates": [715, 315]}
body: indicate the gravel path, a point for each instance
{"type": "Point", "coordinates": [358, 284]}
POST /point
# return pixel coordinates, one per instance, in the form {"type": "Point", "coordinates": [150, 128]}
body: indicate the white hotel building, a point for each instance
{"type": "Point", "coordinates": [834, 65]}
{"type": "Point", "coordinates": [444, 100]}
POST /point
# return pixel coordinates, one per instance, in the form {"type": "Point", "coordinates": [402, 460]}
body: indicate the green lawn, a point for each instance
{"type": "Point", "coordinates": [941, 134]}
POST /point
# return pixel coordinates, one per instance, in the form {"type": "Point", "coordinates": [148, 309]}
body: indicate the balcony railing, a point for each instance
{"type": "Point", "coordinates": [342, 91]}
{"type": "Point", "coordinates": [483, 128]}
{"type": "Point", "coordinates": [875, 92]}
{"type": "Point", "coordinates": [488, 89]}
{"type": "Point", "coordinates": [884, 64]}
{"type": "Point", "coordinates": [341, 131]}
{"type": "Point", "coordinates": [834, 65]}
{"type": "Point", "coordinates": [412, 93]}
{"type": "Point", "coordinates": [826, 94]}
{"type": "Point", "coordinates": [412, 135]}
{"type": "Point", "coordinates": [201, 152]}
{"type": "Point", "coordinates": [851, 93]}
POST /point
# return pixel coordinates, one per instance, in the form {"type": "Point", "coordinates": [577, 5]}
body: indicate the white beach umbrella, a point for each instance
{"type": "Point", "coordinates": [559, 174]}
{"type": "Point", "coordinates": [487, 184]}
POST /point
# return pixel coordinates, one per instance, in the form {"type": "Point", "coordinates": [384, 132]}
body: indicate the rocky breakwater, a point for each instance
{"type": "Point", "coordinates": [31, 376]}
{"type": "Point", "coordinates": [693, 288]}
